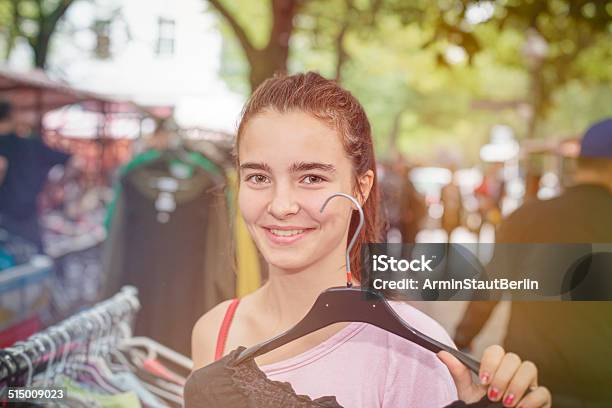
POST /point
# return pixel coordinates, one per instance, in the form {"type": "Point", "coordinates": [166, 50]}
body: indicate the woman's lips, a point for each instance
{"type": "Point", "coordinates": [277, 239]}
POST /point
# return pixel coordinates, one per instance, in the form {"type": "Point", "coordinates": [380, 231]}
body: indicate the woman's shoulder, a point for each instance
{"type": "Point", "coordinates": [204, 334]}
{"type": "Point", "coordinates": [213, 317]}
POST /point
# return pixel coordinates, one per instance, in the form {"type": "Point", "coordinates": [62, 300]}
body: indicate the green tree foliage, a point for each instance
{"type": "Point", "coordinates": [33, 20]}
{"type": "Point", "coordinates": [440, 73]}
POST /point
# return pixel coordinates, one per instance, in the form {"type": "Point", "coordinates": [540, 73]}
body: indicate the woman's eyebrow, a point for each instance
{"type": "Point", "coordinates": [256, 166]}
{"type": "Point", "coordinates": [307, 166]}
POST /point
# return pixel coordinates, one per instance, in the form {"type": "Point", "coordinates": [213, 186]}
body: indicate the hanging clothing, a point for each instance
{"type": "Point", "coordinates": [94, 371]}
{"type": "Point", "coordinates": [175, 251]}
{"type": "Point", "coordinates": [14, 250]}
{"type": "Point", "coordinates": [248, 265]}
{"type": "Point", "coordinates": [385, 370]}
{"type": "Point", "coordinates": [138, 160]}
{"type": "Point", "coordinates": [227, 384]}
{"type": "Point", "coordinates": [95, 399]}
{"type": "Point", "coordinates": [127, 381]}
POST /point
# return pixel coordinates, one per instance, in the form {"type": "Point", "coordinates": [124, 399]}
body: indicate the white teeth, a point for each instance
{"type": "Point", "coordinates": [286, 233]}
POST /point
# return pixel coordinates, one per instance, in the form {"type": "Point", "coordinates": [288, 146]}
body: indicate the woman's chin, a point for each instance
{"type": "Point", "coordinates": [287, 265]}
{"type": "Point", "coordinates": [290, 262]}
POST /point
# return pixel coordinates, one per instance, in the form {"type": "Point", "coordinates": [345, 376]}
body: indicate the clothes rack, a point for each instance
{"type": "Point", "coordinates": [78, 331]}
{"type": "Point", "coordinates": [93, 356]}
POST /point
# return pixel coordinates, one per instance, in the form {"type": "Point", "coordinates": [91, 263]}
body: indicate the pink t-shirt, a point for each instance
{"type": "Point", "coordinates": [366, 367]}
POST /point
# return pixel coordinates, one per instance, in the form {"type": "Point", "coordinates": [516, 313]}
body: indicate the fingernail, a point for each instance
{"type": "Point", "coordinates": [484, 378]}
{"type": "Point", "coordinates": [493, 393]}
{"type": "Point", "coordinates": [509, 399]}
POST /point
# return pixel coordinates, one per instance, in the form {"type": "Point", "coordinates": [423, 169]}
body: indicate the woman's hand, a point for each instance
{"type": "Point", "coordinates": [503, 377]}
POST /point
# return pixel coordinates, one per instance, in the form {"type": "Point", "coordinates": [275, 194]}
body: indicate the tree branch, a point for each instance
{"type": "Point", "coordinates": [341, 54]}
{"type": "Point", "coordinates": [59, 11]}
{"type": "Point", "coordinates": [237, 28]}
{"type": "Point", "coordinates": [374, 9]}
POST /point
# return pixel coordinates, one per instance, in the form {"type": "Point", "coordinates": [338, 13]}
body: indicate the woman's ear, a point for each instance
{"type": "Point", "coordinates": [365, 183]}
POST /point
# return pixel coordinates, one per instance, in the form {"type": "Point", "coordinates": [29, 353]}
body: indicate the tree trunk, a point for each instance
{"type": "Point", "coordinates": [273, 58]}
{"type": "Point", "coordinates": [396, 127]}
{"type": "Point", "coordinates": [41, 50]}
{"type": "Point", "coordinates": [264, 63]}
{"type": "Point", "coordinates": [341, 54]}
{"type": "Point", "coordinates": [537, 95]}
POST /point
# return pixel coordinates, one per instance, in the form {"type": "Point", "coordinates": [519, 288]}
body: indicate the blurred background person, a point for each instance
{"type": "Point", "coordinates": [27, 162]}
{"type": "Point", "coordinates": [555, 335]}
{"type": "Point", "coordinates": [490, 194]}
{"type": "Point", "coordinates": [405, 207]}
{"type": "Point", "coordinates": [451, 199]}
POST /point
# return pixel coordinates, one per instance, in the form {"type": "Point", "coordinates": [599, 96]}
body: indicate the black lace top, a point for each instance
{"type": "Point", "coordinates": [225, 384]}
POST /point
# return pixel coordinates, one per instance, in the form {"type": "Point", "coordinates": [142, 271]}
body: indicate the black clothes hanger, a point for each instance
{"type": "Point", "coordinates": [354, 304]}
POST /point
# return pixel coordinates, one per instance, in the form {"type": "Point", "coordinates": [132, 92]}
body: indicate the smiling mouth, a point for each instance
{"type": "Point", "coordinates": [286, 233]}
{"type": "Point", "coordinates": [286, 236]}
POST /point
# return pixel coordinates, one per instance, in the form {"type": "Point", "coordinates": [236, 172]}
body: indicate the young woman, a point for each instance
{"type": "Point", "coordinates": [301, 139]}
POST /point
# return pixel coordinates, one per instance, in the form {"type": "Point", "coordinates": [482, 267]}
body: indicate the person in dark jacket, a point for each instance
{"type": "Point", "coordinates": [570, 342]}
{"type": "Point", "coordinates": [24, 166]}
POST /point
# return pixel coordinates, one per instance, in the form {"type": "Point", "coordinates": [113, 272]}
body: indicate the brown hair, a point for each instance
{"type": "Point", "coordinates": [326, 100]}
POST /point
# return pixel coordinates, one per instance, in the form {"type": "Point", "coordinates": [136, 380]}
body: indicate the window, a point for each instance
{"type": "Point", "coordinates": [102, 31]}
{"type": "Point", "coordinates": [165, 36]}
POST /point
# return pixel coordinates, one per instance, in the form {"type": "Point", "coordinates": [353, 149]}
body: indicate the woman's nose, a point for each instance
{"type": "Point", "coordinates": [283, 204]}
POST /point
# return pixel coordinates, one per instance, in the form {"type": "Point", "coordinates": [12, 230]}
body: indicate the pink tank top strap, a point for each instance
{"type": "Point", "coordinates": [225, 326]}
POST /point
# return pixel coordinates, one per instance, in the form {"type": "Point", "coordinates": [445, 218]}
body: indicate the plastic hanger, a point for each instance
{"type": "Point", "coordinates": [80, 363]}
{"type": "Point", "coordinates": [154, 349]}
{"type": "Point", "coordinates": [17, 349]}
{"type": "Point", "coordinates": [354, 304]}
{"type": "Point", "coordinates": [177, 150]}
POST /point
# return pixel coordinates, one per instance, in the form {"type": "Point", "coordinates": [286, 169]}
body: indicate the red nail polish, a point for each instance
{"type": "Point", "coordinates": [493, 393]}
{"type": "Point", "coordinates": [484, 378]}
{"type": "Point", "coordinates": [509, 399]}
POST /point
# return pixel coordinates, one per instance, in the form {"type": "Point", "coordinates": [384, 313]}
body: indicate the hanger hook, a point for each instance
{"type": "Point", "coordinates": [49, 369]}
{"type": "Point", "coordinates": [97, 332]}
{"type": "Point", "coordinates": [67, 344]}
{"type": "Point", "coordinates": [349, 280]}
{"type": "Point", "coordinates": [19, 350]}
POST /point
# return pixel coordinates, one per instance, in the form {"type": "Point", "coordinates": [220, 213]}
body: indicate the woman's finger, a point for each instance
{"type": "Point", "coordinates": [460, 373]}
{"type": "Point", "coordinates": [525, 377]}
{"type": "Point", "coordinates": [538, 398]}
{"type": "Point", "coordinates": [501, 378]}
{"type": "Point", "coordinates": [491, 359]}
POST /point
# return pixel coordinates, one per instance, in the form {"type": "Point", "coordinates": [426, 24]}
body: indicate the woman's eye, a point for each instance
{"type": "Point", "coordinates": [311, 179]}
{"type": "Point", "coordinates": [257, 179]}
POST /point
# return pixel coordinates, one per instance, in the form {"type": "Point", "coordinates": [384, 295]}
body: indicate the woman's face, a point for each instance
{"type": "Point", "coordinates": [289, 164]}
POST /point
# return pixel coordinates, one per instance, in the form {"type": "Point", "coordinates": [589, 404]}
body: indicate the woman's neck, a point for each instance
{"type": "Point", "coordinates": [289, 295]}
